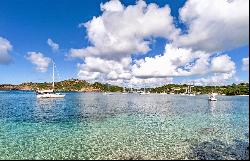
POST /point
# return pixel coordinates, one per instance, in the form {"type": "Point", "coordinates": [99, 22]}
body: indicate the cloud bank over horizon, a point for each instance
{"type": "Point", "coordinates": [123, 31]}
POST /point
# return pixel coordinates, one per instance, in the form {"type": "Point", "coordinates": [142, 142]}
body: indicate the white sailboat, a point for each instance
{"type": "Point", "coordinates": [190, 91]}
{"type": "Point", "coordinates": [108, 93]}
{"type": "Point", "coordinates": [50, 93]}
{"type": "Point", "coordinates": [144, 92]}
{"type": "Point", "coordinates": [131, 89]}
{"type": "Point", "coordinates": [124, 91]}
{"type": "Point", "coordinates": [212, 97]}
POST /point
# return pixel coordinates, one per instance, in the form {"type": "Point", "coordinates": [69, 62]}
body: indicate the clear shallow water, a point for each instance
{"type": "Point", "coordinates": [97, 126]}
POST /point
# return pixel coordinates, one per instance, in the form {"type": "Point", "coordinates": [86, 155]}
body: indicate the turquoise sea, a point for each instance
{"type": "Point", "coordinates": [132, 126]}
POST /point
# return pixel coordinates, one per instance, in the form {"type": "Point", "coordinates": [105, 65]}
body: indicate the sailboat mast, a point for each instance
{"type": "Point", "coordinates": [144, 86]}
{"type": "Point", "coordinates": [53, 84]}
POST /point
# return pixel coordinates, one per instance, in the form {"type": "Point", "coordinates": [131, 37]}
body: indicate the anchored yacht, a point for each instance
{"type": "Point", "coordinates": [50, 93]}
{"type": "Point", "coordinates": [212, 97]}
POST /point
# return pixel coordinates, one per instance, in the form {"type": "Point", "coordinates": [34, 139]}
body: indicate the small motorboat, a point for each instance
{"type": "Point", "coordinates": [212, 97]}
{"type": "Point", "coordinates": [144, 93]}
{"type": "Point", "coordinates": [108, 93]}
{"type": "Point", "coordinates": [191, 94]}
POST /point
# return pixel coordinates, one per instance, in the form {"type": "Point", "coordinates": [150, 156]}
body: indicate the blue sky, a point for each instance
{"type": "Point", "coordinates": [27, 25]}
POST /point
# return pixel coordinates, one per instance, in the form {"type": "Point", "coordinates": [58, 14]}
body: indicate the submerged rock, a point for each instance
{"type": "Point", "coordinates": [218, 150]}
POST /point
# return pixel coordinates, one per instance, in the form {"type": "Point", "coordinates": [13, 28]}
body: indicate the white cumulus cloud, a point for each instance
{"type": "Point", "coordinates": [121, 31]}
{"type": "Point", "coordinates": [222, 64]}
{"type": "Point", "coordinates": [216, 79]}
{"type": "Point", "coordinates": [215, 25]}
{"type": "Point", "coordinates": [182, 62]}
{"type": "Point", "coordinates": [149, 82]}
{"type": "Point", "coordinates": [174, 62]}
{"type": "Point", "coordinates": [113, 6]}
{"type": "Point", "coordinates": [105, 69]}
{"type": "Point", "coordinates": [39, 60]}
{"type": "Point", "coordinates": [5, 47]}
{"type": "Point", "coordinates": [54, 46]}
{"type": "Point", "coordinates": [245, 64]}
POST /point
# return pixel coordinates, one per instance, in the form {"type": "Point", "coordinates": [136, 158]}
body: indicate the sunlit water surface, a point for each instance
{"type": "Point", "coordinates": [132, 126]}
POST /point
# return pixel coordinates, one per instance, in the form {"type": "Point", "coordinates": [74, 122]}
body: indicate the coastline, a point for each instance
{"type": "Point", "coordinates": [75, 85]}
{"type": "Point", "coordinates": [116, 92]}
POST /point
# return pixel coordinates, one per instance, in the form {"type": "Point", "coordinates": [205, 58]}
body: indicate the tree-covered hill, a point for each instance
{"type": "Point", "coordinates": [84, 86]}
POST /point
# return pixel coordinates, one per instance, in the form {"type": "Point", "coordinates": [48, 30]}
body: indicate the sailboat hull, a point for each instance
{"type": "Point", "coordinates": [144, 93]}
{"type": "Point", "coordinates": [108, 93]}
{"type": "Point", "coordinates": [51, 95]}
{"type": "Point", "coordinates": [212, 99]}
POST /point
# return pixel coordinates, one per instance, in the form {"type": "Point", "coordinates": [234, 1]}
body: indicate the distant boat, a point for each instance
{"type": "Point", "coordinates": [189, 91]}
{"type": "Point", "coordinates": [124, 91]}
{"type": "Point", "coordinates": [49, 93]}
{"type": "Point", "coordinates": [108, 93]}
{"type": "Point", "coordinates": [144, 92]}
{"type": "Point", "coordinates": [212, 97]}
{"type": "Point", "coordinates": [131, 89]}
